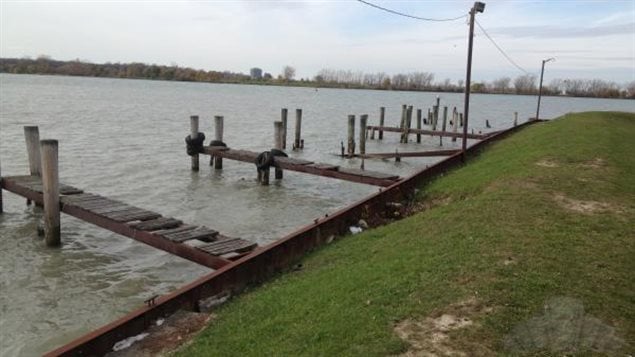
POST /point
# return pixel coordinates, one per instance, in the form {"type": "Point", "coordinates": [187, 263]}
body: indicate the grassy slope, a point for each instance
{"type": "Point", "coordinates": [347, 297]}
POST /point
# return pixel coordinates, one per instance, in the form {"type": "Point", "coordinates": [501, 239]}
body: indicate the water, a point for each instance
{"type": "Point", "coordinates": [124, 139]}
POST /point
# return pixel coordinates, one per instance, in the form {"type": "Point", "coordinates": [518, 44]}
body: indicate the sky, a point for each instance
{"type": "Point", "coordinates": [588, 39]}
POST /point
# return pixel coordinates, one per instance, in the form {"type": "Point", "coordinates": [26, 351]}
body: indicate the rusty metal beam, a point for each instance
{"type": "Point", "coordinates": [264, 262]}
{"type": "Point", "coordinates": [430, 132]}
{"type": "Point", "coordinates": [388, 155]}
{"type": "Point", "coordinates": [179, 249]}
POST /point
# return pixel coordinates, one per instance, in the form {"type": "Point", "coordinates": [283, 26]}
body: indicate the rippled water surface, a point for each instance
{"type": "Point", "coordinates": [124, 139]}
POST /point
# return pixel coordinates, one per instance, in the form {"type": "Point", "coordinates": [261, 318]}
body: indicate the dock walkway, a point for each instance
{"type": "Point", "coordinates": [199, 244]}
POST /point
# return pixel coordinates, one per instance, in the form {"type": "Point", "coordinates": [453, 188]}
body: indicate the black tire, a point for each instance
{"type": "Point", "coordinates": [276, 152]}
{"type": "Point", "coordinates": [264, 160]}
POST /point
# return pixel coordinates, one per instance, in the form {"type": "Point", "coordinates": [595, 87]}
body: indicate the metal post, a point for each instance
{"type": "Point", "coordinates": [542, 72]}
{"type": "Point", "coordinates": [478, 6]}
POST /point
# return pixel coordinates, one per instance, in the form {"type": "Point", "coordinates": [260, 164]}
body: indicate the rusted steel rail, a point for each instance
{"type": "Point", "coordinates": [263, 263]}
{"type": "Point", "coordinates": [429, 132]}
{"type": "Point", "coordinates": [212, 249]}
{"type": "Point", "coordinates": [388, 155]}
{"type": "Point", "coordinates": [308, 167]}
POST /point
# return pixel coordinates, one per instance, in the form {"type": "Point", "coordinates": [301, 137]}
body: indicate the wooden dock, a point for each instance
{"type": "Point", "coordinates": [389, 155]}
{"type": "Point", "coordinates": [199, 244]}
{"type": "Point", "coordinates": [308, 167]}
{"type": "Point", "coordinates": [428, 132]}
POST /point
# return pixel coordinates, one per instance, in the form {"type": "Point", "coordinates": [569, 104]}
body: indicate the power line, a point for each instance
{"type": "Point", "coordinates": [410, 16]}
{"type": "Point", "coordinates": [500, 49]}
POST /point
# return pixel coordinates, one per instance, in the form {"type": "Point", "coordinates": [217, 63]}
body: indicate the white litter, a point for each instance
{"type": "Point", "coordinates": [160, 322]}
{"type": "Point", "coordinates": [127, 342]}
{"type": "Point", "coordinates": [355, 230]}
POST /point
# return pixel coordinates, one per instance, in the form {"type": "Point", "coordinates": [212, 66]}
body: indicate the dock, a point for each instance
{"type": "Point", "coordinates": [199, 244]}
{"type": "Point", "coordinates": [308, 167]}
{"type": "Point", "coordinates": [448, 134]}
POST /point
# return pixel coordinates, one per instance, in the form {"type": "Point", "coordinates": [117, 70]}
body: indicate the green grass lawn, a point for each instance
{"type": "Point", "coordinates": [531, 245]}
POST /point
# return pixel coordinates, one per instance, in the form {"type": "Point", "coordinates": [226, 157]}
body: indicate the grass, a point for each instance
{"type": "Point", "coordinates": [506, 233]}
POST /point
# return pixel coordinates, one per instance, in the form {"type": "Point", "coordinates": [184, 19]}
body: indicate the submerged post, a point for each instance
{"type": "Point", "coordinates": [382, 114]}
{"type": "Point", "coordinates": [32, 138]}
{"type": "Point", "coordinates": [297, 144]}
{"type": "Point", "coordinates": [350, 148]}
{"type": "Point", "coordinates": [218, 136]}
{"type": "Point", "coordinates": [419, 125]}
{"type": "Point", "coordinates": [455, 124]}
{"type": "Point", "coordinates": [193, 136]}
{"type": "Point", "coordinates": [283, 116]}
{"type": "Point", "coordinates": [1, 190]}
{"type": "Point", "coordinates": [515, 118]}
{"type": "Point", "coordinates": [443, 127]}
{"type": "Point", "coordinates": [50, 192]}
{"type": "Point", "coordinates": [363, 119]}
{"type": "Point", "coordinates": [435, 116]}
{"type": "Point", "coordinates": [278, 133]}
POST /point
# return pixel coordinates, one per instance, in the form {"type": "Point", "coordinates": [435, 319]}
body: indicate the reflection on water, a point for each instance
{"type": "Point", "coordinates": [124, 139]}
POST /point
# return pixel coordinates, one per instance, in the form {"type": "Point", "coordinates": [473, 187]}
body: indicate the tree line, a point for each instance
{"type": "Point", "coordinates": [413, 81]}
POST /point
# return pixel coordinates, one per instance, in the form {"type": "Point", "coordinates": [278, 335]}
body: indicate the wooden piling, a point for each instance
{"type": "Point", "coordinates": [419, 125]}
{"type": "Point", "coordinates": [297, 144]}
{"type": "Point", "coordinates": [219, 127]}
{"type": "Point", "coordinates": [461, 119]}
{"type": "Point", "coordinates": [278, 133]}
{"type": "Point", "coordinates": [435, 117]}
{"type": "Point", "coordinates": [404, 109]}
{"type": "Point", "coordinates": [445, 121]}
{"type": "Point", "coordinates": [455, 122]}
{"type": "Point", "coordinates": [264, 176]}
{"type": "Point", "coordinates": [382, 114]}
{"type": "Point", "coordinates": [283, 116]}
{"type": "Point", "coordinates": [193, 136]}
{"type": "Point", "coordinates": [32, 138]}
{"type": "Point", "coordinates": [363, 119]}
{"type": "Point", "coordinates": [407, 126]}
{"type": "Point", "coordinates": [515, 118]}
{"type": "Point", "coordinates": [50, 192]}
{"type": "Point", "coordinates": [350, 148]}
{"type": "Point", "coordinates": [1, 209]}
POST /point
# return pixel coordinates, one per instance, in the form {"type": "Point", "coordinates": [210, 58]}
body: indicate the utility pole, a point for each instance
{"type": "Point", "coordinates": [542, 72]}
{"type": "Point", "coordinates": [478, 7]}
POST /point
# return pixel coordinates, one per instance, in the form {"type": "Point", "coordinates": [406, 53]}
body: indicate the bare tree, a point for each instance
{"type": "Point", "coordinates": [525, 84]}
{"type": "Point", "coordinates": [288, 73]}
{"type": "Point", "coordinates": [501, 85]}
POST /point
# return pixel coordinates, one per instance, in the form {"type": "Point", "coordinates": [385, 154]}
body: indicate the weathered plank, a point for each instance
{"type": "Point", "coordinates": [367, 173]}
{"type": "Point", "coordinates": [387, 155]}
{"type": "Point", "coordinates": [292, 161]}
{"type": "Point", "coordinates": [139, 216]}
{"type": "Point", "coordinates": [325, 167]}
{"type": "Point", "coordinates": [197, 233]}
{"type": "Point", "coordinates": [229, 245]}
{"type": "Point", "coordinates": [156, 224]}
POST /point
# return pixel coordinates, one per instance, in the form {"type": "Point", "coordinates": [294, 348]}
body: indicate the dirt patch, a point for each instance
{"type": "Point", "coordinates": [547, 163]}
{"type": "Point", "coordinates": [596, 163]}
{"type": "Point", "coordinates": [426, 204]}
{"type": "Point", "coordinates": [166, 335]}
{"type": "Point", "coordinates": [432, 335]}
{"type": "Point", "coordinates": [563, 327]}
{"type": "Point", "coordinates": [586, 207]}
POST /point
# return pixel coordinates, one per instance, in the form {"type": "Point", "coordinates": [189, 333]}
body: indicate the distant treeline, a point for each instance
{"type": "Point", "coordinates": [415, 81]}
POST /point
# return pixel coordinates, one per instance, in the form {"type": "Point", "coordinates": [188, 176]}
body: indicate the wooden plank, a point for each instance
{"type": "Point", "coordinates": [430, 132]}
{"type": "Point", "coordinates": [229, 245]}
{"type": "Point", "coordinates": [292, 161]}
{"type": "Point", "coordinates": [156, 224]}
{"type": "Point", "coordinates": [198, 233]}
{"type": "Point", "coordinates": [82, 197]}
{"type": "Point", "coordinates": [110, 208]}
{"type": "Point", "coordinates": [367, 173]}
{"type": "Point", "coordinates": [140, 216]}
{"type": "Point", "coordinates": [95, 204]}
{"type": "Point", "coordinates": [387, 155]}
{"type": "Point", "coordinates": [325, 167]}
{"type": "Point", "coordinates": [125, 212]}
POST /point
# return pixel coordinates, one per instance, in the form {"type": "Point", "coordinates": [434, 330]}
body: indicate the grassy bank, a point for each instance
{"type": "Point", "coordinates": [530, 247]}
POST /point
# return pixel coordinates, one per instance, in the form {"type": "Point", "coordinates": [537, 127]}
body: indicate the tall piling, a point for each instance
{"type": "Point", "coordinates": [51, 192]}
{"type": "Point", "coordinates": [1, 209]}
{"type": "Point", "coordinates": [382, 114]}
{"type": "Point", "coordinates": [435, 116]}
{"type": "Point", "coordinates": [419, 125]}
{"type": "Point", "coordinates": [350, 147]}
{"type": "Point", "coordinates": [515, 118]}
{"type": "Point", "coordinates": [219, 127]}
{"type": "Point", "coordinates": [283, 116]}
{"type": "Point", "coordinates": [455, 124]}
{"type": "Point", "coordinates": [193, 136]}
{"type": "Point", "coordinates": [404, 109]}
{"type": "Point", "coordinates": [298, 143]}
{"type": "Point", "coordinates": [363, 120]}
{"type": "Point", "coordinates": [32, 138]}
{"type": "Point", "coordinates": [278, 133]}
{"type": "Point", "coordinates": [444, 125]}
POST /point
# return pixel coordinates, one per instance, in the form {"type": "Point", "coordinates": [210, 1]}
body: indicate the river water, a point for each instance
{"type": "Point", "coordinates": [124, 139]}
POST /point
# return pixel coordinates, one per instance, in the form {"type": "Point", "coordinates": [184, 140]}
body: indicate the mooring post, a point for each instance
{"type": "Point", "coordinates": [461, 119]}
{"type": "Point", "coordinates": [193, 136]}
{"type": "Point", "coordinates": [444, 125]}
{"type": "Point", "coordinates": [363, 120]}
{"type": "Point", "coordinates": [219, 127]}
{"type": "Point", "coordinates": [515, 118]}
{"type": "Point", "coordinates": [429, 118]}
{"type": "Point", "coordinates": [382, 114]}
{"type": "Point", "coordinates": [419, 113]}
{"type": "Point", "coordinates": [298, 144]}
{"type": "Point", "coordinates": [51, 192]}
{"type": "Point", "coordinates": [283, 116]}
{"type": "Point", "coordinates": [278, 133]}
{"type": "Point", "coordinates": [435, 116]}
{"type": "Point", "coordinates": [32, 138]}
{"type": "Point", "coordinates": [455, 124]}
{"type": "Point", "coordinates": [407, 125]}
{"type": "Point", "coordinates": [350, 148]}
{"type": "Point", "coordinates": [1, 190]}
{"type": "Point", "coordinates": [404, 110]}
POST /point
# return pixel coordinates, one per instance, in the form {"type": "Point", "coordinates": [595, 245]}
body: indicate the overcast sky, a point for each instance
{"type": "Point", "coordinates": [590, 39]}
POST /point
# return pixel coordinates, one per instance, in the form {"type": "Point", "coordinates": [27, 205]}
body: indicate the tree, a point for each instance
{"type": "Point", "coordinates": [525, 84]}
{"type": "Point", "coordinates": [288, 73]}
{"type": "Point", "coordinates": [501, 85]}
{"type": "Point", "coordinates": [255, 73]}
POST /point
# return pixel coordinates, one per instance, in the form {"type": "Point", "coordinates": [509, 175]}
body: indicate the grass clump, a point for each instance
{"type": "Point", "coordinates": [535, 239]}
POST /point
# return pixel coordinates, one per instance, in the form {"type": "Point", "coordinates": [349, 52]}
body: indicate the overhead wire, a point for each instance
{"type": "Point", "coordinates": [500, 49]}
{"type": "Point", "coordinates": [410, 16]}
